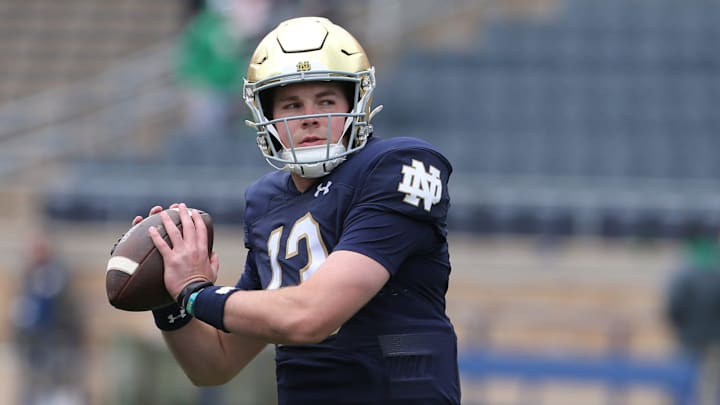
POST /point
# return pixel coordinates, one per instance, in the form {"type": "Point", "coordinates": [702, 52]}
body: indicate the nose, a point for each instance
{"type": "Point", "coordinates": [313, 121]}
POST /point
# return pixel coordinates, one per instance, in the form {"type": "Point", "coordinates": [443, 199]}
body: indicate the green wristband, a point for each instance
{"type": "Point", "coordinates": [191, 302]}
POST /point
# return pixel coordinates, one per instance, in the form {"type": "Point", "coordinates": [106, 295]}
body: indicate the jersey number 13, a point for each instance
{"type": "Point", "coordinates": [304, 228]}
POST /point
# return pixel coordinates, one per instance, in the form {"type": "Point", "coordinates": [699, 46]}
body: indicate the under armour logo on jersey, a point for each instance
{"type": "Point", "coordinates": [172, 318]}
{"type": "Point", "coordinates": [417, 183]}
{"type": "Point", "coordinates": [323, 188]}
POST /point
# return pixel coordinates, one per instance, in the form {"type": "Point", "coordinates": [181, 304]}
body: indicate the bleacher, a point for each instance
{"type": "Point", "coordinates": [46, 44]}
{"type": "Point", "coordinates": [599, 119]}
{"type": "Point", "coordinates": [211, 172]}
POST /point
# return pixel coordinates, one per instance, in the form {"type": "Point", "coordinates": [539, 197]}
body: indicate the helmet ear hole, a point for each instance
{"type": "Point", "coordinates": [266, 102]}
{"type": "Point", "coordinates": [348, 90]}
{"type": "Point", "coordinates": [276, 143]}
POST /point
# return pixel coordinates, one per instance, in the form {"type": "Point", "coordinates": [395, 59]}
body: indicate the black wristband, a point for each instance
{"type": "Point", "coordinates": [189, 289]}
{"type": "Point", "coordinates": [171, 317]}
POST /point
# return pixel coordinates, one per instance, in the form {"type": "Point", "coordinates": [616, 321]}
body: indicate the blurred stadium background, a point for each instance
{"type": "Point", "coordinates": [584, 135]}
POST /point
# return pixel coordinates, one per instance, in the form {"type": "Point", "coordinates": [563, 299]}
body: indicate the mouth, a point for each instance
{"type": "Point", "coordinates": [312, 141]}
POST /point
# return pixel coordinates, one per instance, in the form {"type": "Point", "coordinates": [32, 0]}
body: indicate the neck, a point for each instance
{"type": "Point", "coordinates": [302, 183]}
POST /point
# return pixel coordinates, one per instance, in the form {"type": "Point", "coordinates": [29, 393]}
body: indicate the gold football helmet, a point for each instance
{"type": "Point", "coordinates": [310, 49]}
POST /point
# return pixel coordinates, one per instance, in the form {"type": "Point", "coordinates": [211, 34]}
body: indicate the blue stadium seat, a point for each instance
{"type": "Point", "coordinates": [611, 89]}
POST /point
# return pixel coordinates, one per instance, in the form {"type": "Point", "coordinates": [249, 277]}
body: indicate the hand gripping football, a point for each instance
{"type": "Point", "coordinates": [134, 276]}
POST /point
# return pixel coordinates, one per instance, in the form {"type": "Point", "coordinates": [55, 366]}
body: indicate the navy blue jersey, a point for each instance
{"type": "Point", "coordinates": [388, 201]}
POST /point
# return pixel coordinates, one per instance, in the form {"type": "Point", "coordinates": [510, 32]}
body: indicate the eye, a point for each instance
{"type": "Point", "coordinates": [290, 106]}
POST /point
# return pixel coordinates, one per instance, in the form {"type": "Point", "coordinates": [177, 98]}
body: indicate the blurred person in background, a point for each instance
{"type": "Point", "coordinates": [693, 309]}
{"type": "Point", "coordinates": [190, 9]}
{"type": "Point", "coordinates": [212, 52]}
{"type": "Point", "coordinates": [49, 329]}
{"type": "Point", "coordinates": [347, 266]}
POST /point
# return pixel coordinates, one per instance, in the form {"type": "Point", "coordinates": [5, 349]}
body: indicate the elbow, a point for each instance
{"type": "Point", "coordinates": [308, 338]}
{"type": "Point", "coordinates": [209, 376]}
{"type": "Point", "coordinates": [207, 381]}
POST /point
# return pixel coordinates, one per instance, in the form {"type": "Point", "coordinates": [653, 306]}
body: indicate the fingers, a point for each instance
{"type": "Point", "coordinates": [184, 250]}
{"type": "Point", "coordinates": [188, 226]}
{"type": "Point", "coordinates": [193, 236]}
{"type": "Point", "coordinates": [201, 231]}
{"type": "Point", "coordinates": [154, 210]}
{"type": "Point", "coordinates": [175, 237]}
{"type": "Point", "coordinates": [159, 242]}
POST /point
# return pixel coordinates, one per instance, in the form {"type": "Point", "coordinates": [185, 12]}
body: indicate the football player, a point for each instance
{"type": "Point", "coordinates": [347, 266]}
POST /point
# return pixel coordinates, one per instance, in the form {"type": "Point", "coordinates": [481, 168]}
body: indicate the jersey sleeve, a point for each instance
{"type": "Point", "coordinates": [250, 279]}
{"type": "Point", "coordinates": [400, 209]}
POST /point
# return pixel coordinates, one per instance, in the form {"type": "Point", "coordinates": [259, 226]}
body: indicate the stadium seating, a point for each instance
{"type": "Point", "coordinates": [599, 118]}
{"type": "Point", "coordinates": [209, 173]}
{"type": "Point", "coordinates": [613, 91]}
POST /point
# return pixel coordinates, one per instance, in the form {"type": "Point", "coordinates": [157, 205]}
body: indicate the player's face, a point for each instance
{"type": "Point", "coordinates": [305, 99]}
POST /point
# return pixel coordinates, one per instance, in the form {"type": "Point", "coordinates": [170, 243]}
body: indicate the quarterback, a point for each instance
{"type": "Point", "coordinates": [347, 266]}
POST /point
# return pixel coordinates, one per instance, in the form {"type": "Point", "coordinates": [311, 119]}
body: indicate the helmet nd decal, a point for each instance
{"type": "Point", "coordinates": [309, 49]}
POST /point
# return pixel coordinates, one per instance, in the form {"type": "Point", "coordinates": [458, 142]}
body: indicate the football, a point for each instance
{"type": "Point", "coordinates": [134, 274]}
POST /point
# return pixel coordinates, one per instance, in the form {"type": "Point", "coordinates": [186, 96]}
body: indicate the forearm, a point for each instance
{"type": "Point", "coordinates": [302, 314]}
{"type": "Point", "coordinates": [284, 316]}
{"type": "Point", "coordinates": [309, 312]}
{"type": "Point", "coordinates": [209, 356]}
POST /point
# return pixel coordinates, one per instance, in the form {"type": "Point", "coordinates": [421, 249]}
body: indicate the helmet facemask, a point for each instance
{"type": "Point", "coordinates": [318, 160]}
{"type": "Point", "coordinates": [301, 50]}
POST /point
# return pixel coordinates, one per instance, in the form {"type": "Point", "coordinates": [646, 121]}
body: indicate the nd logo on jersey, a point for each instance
{"type": "Point", "coordinates": [417, 183]}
